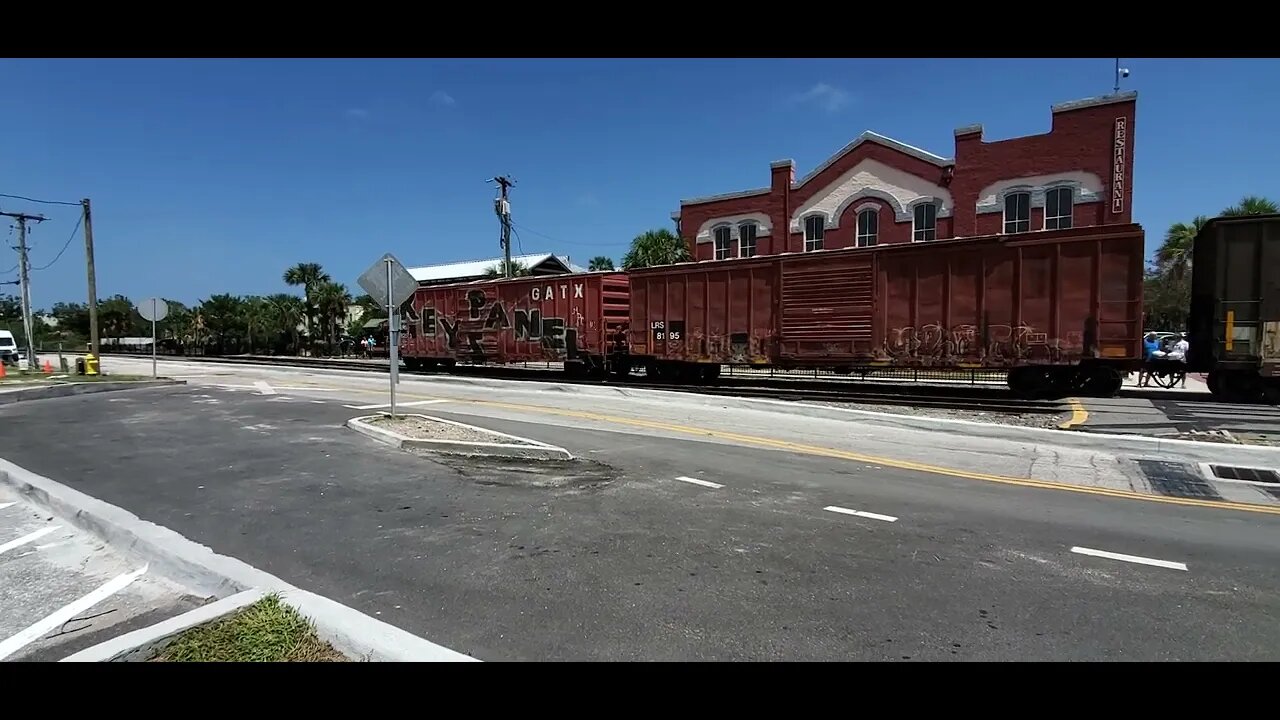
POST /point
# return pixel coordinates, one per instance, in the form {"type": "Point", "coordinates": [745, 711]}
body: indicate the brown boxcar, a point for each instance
{"type": "Point", "coordinates": [1053, 298]}
{"type": "Point", "coordinates": [1234, 323]}
{"type": "Point", "coordinates": [577, 319]}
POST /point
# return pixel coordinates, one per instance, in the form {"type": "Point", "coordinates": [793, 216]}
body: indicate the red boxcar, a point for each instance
{"type": "Point", "coordinates": [577, 319]}
{"type": "Point", "coordinates": [1053, 298]}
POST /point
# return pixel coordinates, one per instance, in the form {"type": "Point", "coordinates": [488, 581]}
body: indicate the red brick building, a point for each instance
{"type": "Point", "coordinates": [877, 190]}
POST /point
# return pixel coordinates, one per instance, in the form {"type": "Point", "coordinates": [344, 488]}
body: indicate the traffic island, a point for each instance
{"type": "Point", "coordinates": [425, 433]}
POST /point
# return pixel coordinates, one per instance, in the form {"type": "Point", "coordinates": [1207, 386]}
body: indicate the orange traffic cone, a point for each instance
{"type": "Point", "coordinates": [1, 369]}
{"type": "Point", "coordinates": [48, 368]}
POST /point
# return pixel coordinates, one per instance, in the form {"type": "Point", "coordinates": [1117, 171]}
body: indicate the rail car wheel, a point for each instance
{"type": "Point", "coordinates": [1031, 383]}
{"type": "Point", "coordinates": [1236, 385]}
{"type": "Point", "coordinates": [1101, 381]}
{"type": "Point", "coordinates": [710, 373]}
{"type": "Point", "coordinates": [1271, 392]}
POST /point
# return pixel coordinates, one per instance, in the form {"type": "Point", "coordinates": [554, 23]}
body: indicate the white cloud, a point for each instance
{"type": "Point", "coordinates": [825, 96]}
{"type": "Point", "coordinates": [442, 99]}
{"type": "Point", "coordinates": [357, 113]}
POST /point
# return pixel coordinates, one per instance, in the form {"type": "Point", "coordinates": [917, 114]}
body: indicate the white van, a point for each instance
{"type": "Point", "coordinates": [8, 348]}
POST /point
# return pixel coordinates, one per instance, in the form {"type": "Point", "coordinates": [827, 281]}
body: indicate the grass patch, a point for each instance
{"type": "Point", "coordinates": [267, 631]}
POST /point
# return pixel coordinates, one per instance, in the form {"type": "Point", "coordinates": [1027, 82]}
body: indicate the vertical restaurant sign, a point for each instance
{"type": "Point", "coordinates": [1117, 165]}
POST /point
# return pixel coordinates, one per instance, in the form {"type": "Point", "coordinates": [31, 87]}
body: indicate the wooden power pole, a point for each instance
{"type": "Point", "coordinates": [24, 280]}
{"type": "Point", "coordinates": [93, 279]}
{"type": "Point", "coordinates": [502, 206]}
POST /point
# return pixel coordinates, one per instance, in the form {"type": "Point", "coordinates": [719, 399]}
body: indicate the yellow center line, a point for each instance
{"type": "Point", "coordinates": [848, 455]}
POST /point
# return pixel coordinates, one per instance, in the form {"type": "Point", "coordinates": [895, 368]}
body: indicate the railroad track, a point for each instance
{"type": "Point", "coordinates": [971, 398]}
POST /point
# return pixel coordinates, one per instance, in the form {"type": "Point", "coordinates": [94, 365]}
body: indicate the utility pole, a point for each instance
{"type": "Point", "coordinates": [24, 279]}
{"type": "Point", "coordinates": [93, 280]}
{"type": "Point", "coordinates": [502, 206]}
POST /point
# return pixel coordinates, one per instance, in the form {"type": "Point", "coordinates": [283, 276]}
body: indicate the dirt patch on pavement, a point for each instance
{"type": "Point", "coordinates": [419, 427]}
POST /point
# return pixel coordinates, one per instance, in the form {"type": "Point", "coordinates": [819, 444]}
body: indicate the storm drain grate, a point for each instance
{"type": "Point", "coordinates": [1177, 480]}
{"type": "Point", "coordinates": [1231, 472]}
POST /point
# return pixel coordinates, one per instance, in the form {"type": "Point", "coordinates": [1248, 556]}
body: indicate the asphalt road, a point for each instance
{"type": "Point", "coordinates": [614, 557]}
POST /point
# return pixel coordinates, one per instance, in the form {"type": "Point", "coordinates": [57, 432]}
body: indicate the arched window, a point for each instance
{"type": "Point", "coordinates": [1058, 206]}
{"type": "Point", "coordinates": [1017, 212]}
{"type": "Point", "coordinates": [815, 227]}
{"type": "Point", "coordinates": [747, 239]}
{"type": "Point", "coordinates": [722, 242]}
{"type": "Point", "coordinates": [868, 227]}
{"type": "Point", "coordinates": [924, 225]}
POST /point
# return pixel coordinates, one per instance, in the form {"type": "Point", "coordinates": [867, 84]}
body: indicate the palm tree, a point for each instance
{"type": "Point", "coordinates": [600, 262]}
{"type": "Point", "coordinates": [332, 300]}
{"type": "Point", "coordinates": [258, 319]}
{"type": "Point", "coordinates": [1253, 205]}
{"type": "Point", "coordinates": [1174, 254]}
{"type": "Point", "coordinates": [287, 312]}
{"type": "Point", "coordinates": [656, 247]}
{"type": "Point", "coordinates": [518, 269]}
{"type": "Point", "coordinates": [309, 275]}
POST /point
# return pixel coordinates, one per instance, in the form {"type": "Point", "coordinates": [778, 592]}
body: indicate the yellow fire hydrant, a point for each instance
{"type": "Point", "coordinates": [90, 364]}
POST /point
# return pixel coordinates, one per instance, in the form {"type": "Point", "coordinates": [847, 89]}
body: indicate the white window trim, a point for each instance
{"type": "Point", "coordinates": [755, 241]}
{"type": "Point", "coordinates": [857, 225]}
{"type": "Point", "coordinates": [914, 229]}
{"type": "Point", "coordinates": [715, 242]}
{"type": "Point", "coordinates": [1071, 198]}
{"type": "Point", "coordinates": [804, 229]}
{"type": "Point", "coordinates": [1004, 209]}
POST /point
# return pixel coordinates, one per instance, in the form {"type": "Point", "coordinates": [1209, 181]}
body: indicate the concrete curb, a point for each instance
{"type": "Point", "coordinates": [144, 643]}
{"type": "Point", "coordinates": [349, 631]}
{"type": "Point", "coordinates": [80, 388]}
{"type": "Point", "coordinates": [525, 448]}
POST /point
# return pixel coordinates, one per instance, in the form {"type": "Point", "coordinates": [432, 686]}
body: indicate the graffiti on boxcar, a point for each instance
{"type": "Point", "coordinates": [1003, 343]}
{"type": "Point", "coordinates": [738, 347]}
{"type": "Point", "coordinates": [486, 317]}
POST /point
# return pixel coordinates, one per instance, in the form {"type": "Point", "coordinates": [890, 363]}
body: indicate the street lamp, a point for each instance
{"type": "Point", "coordinates": [1120, 73]}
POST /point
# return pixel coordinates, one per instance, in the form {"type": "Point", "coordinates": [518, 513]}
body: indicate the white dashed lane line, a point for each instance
{"type": "Point", "coordinates": [1130, 558]}
{"type": "Point", "coordinates": [860, 513]}
{"type": "Point", "coordinates": [5, 505]}
{"type": "Point", "coordinates": [703, 483]}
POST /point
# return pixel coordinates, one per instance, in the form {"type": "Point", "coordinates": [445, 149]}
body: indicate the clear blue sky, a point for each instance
{"type": "Point", "coordinates": [215, 175]}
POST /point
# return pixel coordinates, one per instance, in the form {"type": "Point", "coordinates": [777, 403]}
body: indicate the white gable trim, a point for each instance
{"type": "Point", "coordinates": [873, 179]}
{"type": "Point", "coordinates": [1085, 188]}
{"type": "Point", "coordinates": [706, 233]}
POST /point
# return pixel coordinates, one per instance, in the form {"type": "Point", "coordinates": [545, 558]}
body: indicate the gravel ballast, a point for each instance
{"type": "Point", "coordinates": [421, 428]}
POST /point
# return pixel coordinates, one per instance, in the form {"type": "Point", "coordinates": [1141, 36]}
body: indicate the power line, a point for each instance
{"type": "Point", "coordinates": [64, 245]}
{"type": "Point", "coordinates": [558, 240]}
{"type": "Point", "coordinates": [44, 202]}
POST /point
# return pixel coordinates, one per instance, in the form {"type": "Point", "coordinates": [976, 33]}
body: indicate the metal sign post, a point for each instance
{"type": "Point", "coordinates": [393, 337]}
{"type": "Point", "coordinates": [154, 309]}
{"type": "Point", "coordinates": [390, 285]}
